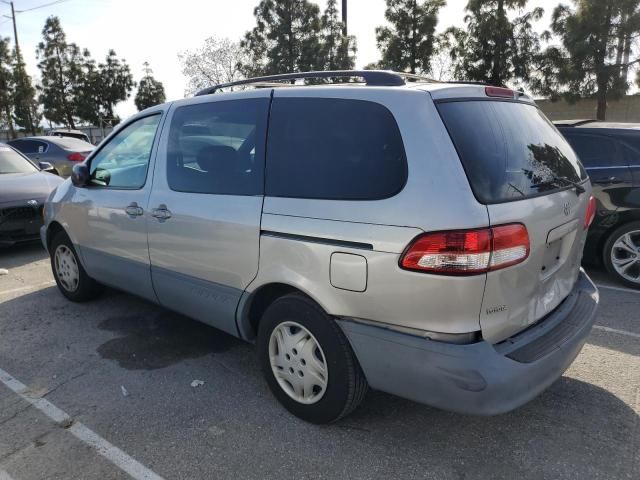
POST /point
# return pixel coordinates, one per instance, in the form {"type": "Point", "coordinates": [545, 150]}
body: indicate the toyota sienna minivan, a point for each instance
{"type": "Point", "coordinates": [414, 237]}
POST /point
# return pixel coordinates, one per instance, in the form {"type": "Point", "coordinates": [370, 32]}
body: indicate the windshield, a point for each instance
{"type": "Point", "coordinates": [13, 162]}
{"type": "Point", "coordinates": [509, 150]}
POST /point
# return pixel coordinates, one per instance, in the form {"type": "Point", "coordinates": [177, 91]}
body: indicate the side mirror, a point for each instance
{"type": "Point", "coordinates": [80, 175]}
{"type": "Point", "coordinates": [47, 167]}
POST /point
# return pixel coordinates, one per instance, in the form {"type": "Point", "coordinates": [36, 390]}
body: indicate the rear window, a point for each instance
{"type": "Point", "coordinates": [73, 144]}
{"type": "Point", "coordinates": [509, 150]}
{"type": "Point", "coordinates": [333, 149]}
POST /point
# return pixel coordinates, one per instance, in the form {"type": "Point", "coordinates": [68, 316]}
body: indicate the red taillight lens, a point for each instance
{"type": "Point", "coordinates": [76, 157]}
{"type": "Point", "coordinates": [499, 92]}
{"type": "Point", "coordinates": [467, 252]}
{"type": "Point", "coordinates": [591, 212]}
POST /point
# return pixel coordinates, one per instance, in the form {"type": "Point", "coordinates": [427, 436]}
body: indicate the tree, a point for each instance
{"type": "Point", "coordinates": [407, 44]}
{"type": "Point", "coordinates": [593, 57]}
{"type": "Point", "coordinates": [150, 90]}
{"type": "Point", "coordinates": [338, 49]}
{"type": "Point", "coordinates": [219, 60]}
{"type": "Point", "coordinates": [492, 47]}
{"type": "Point", "coordinates": [6, 86]}
{"type": "Point", "coordinates": [115, 83]}
{"type": "Point", "coordinates": [26, 110]}
{"type": "Point", "coordinates": [286, 38]}
{"type": "Point", "coordinates": [60, 67]}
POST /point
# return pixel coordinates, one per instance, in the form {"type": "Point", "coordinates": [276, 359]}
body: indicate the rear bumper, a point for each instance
{"type": "Point", "coordinates": [478, 378]}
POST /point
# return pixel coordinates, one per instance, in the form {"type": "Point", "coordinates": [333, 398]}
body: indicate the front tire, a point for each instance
{"type": "Point", "coordinates": [621, 254]}
{"type": "Point", "coordinates": [308, 362]}
{"type": "Point", "coordinates": [69, 274]}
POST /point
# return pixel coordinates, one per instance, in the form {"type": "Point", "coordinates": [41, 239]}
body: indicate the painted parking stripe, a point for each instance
{"type": "Point", "coordinates": [5, 476]}
{"type": "Point", "coordinates": [112, 453]}
{"type": "Point", "coordinates": [619, 332]}
{"type": "Point", "coordinates": [30, 287]}
{"type": "Point", "coordinates": [617, 289]}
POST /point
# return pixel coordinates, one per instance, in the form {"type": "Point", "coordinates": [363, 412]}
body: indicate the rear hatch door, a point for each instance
{"type": "Point", "coordinates": [525, 172]}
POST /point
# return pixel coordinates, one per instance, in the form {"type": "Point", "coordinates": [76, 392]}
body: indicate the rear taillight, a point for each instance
{"type": "Point", "coordinates": [499, 92]}
{"type": "Point", "coordinates": [591, 212]}
{"type": "Point", "coordinates": [467, 252]}
{"type": "Point", "coordinates": [75, 157]}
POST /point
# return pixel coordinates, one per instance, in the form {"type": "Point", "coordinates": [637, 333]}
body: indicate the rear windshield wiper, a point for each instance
{"type": "Point", "coordinates": [560, 182]}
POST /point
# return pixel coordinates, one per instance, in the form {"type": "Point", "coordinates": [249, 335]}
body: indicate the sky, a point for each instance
{"type": "Point", "coordinates": [156, 31]}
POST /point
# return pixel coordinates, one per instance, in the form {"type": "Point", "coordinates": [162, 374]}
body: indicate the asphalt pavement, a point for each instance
{"type": "Point", "coordinates": [103, 390]}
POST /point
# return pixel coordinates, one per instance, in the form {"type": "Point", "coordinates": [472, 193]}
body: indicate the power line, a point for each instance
{"type": "Point", "coordinates": [40, 6]}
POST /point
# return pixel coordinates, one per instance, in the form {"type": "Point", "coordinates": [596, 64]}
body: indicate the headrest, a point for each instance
{"type": "Point", "coordinates": [214, 157]}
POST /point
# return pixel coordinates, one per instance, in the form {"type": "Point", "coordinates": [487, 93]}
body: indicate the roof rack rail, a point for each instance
{"type": "Point", "coordinates": [378, 78]}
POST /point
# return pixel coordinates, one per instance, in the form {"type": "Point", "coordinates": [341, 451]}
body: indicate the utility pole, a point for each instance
{"type": "Point", "coordinates": [15, 31]}
{"type": "Point", "coordinates": [344, 16]}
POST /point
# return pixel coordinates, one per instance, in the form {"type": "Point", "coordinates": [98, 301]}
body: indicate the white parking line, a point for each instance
{"type": "Point", "coordinates": [618, 289]}
{"type": "Point", "coordinates": [29, 287]}
{"type": "Point", "coordinates": [112, 453]}
{"type": "Point", "coordinates": [615, 330]}
{"type": "Point", "coordinates": [5, 476]}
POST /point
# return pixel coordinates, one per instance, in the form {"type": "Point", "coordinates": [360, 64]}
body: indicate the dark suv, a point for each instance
{"type": "Point", "coordinates": [610, 152]}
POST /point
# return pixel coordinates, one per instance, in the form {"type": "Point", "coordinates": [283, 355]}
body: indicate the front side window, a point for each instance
{"type": "Point", "coordinates": [334, 149]}
{"type": "Point", "coordinates": [218, 147]}
{"type": "Point", "coordinates": [124, 161]}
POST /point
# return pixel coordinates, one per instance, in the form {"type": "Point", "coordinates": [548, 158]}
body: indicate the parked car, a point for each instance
{"type": "Point", "coordinates": [69, 133]}
{"type": "Point", "coordinates": [610, 152]}
{"type": "Point", "coordinates": [62, 152]}
{"type": "Point", "coordinates": [421, 239]}
{"type": "Point", "coordinates": [24, 187]}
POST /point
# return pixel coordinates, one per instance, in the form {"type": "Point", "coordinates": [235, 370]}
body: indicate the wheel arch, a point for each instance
{"type": "Point", "coordinates": [253, 304]}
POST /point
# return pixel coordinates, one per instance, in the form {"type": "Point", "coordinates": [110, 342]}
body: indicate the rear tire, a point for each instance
{"type": "Point", "coordinates": [69, 274]}
{"type": "Point", "coordinates": [308, 362]}
{"type": "Point", "coordinates": [621, 254]}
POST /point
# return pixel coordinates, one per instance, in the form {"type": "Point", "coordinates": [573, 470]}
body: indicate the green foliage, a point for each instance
{"type": "Point", "coordinates": [338, 51]}
{"type": "Point", "coordinates": [61, 73]}
{"type": "Point", "coordinates": [150, 91]}
{"type": "Point", "coordinates": [26, 110]}
{"type": "Point", "coordinates": [593, 57]}
{"type": "Point", "coordinates": [73, 86]}
{"type": "Point", "coordinates": [492, 47]}
{"type": "Point", "coordinates": [407, 44]}
{"type": "Point", "coordinates": [6, 86]}
{"type": "Point", "coordinates": [286, 38]}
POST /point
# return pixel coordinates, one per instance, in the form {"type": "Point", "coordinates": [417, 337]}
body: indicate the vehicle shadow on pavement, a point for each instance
{"type": "Point", "coordinates": [19, 255]}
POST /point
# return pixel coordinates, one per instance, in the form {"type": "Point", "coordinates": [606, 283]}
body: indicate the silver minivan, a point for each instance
{"type": "Point", "coordinates": [415, 237]}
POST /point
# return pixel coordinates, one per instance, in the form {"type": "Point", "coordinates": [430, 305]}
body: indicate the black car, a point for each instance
{"type": "Point", "coordinates": [24, 186]}
{"type": "Point", "coordinates": [610, 152]}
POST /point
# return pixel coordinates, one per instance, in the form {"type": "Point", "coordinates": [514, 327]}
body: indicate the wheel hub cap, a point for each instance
{"type": "Point", "coordinates": [66, 268]}
{"type": "Point", "coordinates": [625, 256]}
{"type": "Point", "coordinates": [298, 362]}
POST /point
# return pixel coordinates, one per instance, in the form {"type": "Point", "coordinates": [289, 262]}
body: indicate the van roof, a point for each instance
{"type": "Point", "coordinates": [375, 78]}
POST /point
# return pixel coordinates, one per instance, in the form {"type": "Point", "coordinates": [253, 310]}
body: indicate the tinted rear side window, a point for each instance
{"type": "Point", "coordinates": [333, 149]}
{"type": "Point", "coordinates": [595, 150]}
{"type": "Point", "coordinates": [509, 150]}
{"type": "Point", "coordinates": [218, 147]}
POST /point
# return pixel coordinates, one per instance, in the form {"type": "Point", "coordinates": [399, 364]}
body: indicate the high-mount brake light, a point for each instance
{"type": "Point", "coordinates": [499, 92]}
{"type": "Point", "coordinates": [467, 252]}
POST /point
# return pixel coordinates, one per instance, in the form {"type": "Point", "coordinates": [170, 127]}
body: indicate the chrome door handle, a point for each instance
{"type": "Point", "coordinates": [134, 210]}
{"type": "Point", "coordinates": [161, 213]}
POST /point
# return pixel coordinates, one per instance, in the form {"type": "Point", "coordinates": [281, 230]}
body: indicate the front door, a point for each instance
{"type": "Point", "coordinates": [111, 212]}
{"type": "Point", "coordinates": [206, 206]}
